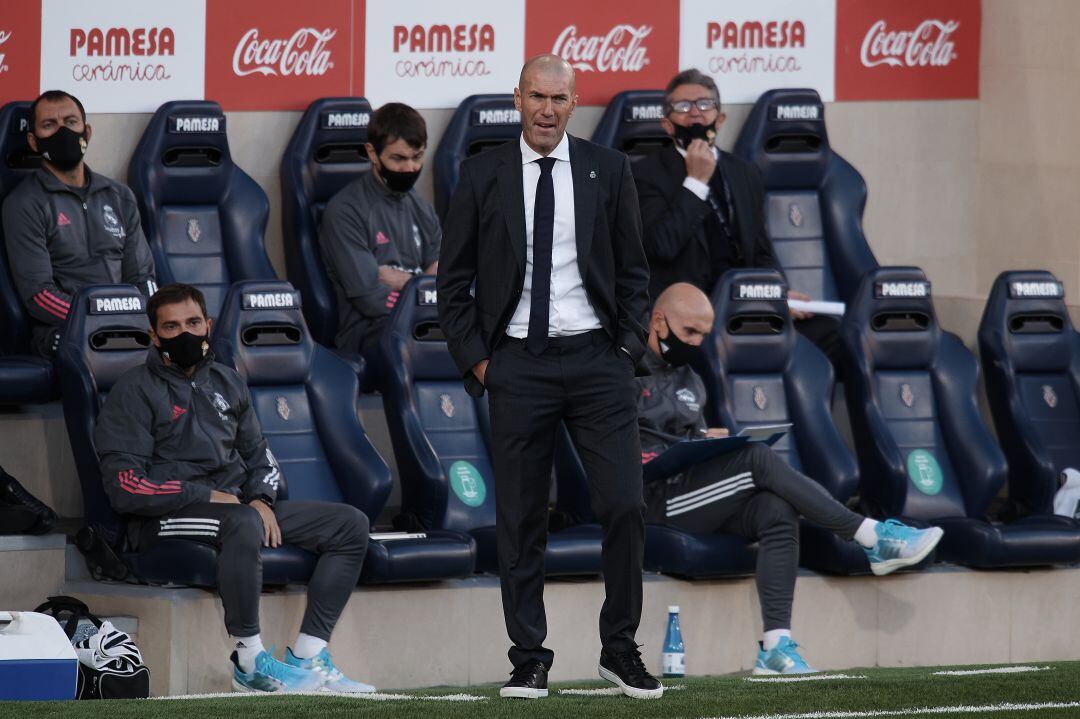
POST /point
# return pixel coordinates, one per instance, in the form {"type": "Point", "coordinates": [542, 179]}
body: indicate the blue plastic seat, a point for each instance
{"type": "Point", "coordinates": [24, 377]}
{"type": "Point", "coordinates": [203, 216]}
{"type": "Point", "coordinates": [95, 350]}
{"type": "Point", "coordinates": [814, 198]}
{"type": "Point", "coordinates": [924, 451]}
{"type": "Point", "coordinates": [1031, 353]}
{"type": "Point", "coordinates": [479, 123]}
{"type": "Point", "coordinates": [305, 397]}
{"type": "Point", "coordinates": [441, 441]}
{"type": "Point", "coordinates": [631, 123]}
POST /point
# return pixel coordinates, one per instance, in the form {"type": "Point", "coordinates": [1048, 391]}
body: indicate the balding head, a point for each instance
{"type": "Point", "coordinates": [683, 309]}
{"type": "Point", "coordinates": [546, 64]}
{"type": "Point", "coordinates": [546, 100]}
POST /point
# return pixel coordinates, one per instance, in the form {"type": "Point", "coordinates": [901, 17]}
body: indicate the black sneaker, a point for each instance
{"type": "Point", "coordinates": [529, 681]}
{"type": "Point", "coordinates": [628, 672]}
{"type": "Point", "coordinates": [14, 494]}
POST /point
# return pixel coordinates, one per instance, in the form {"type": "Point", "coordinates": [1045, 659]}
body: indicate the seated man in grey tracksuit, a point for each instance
{"type": "Point", "coordinates": [751, 492]}
{"type": "Point", "coordinates": [182, 456]}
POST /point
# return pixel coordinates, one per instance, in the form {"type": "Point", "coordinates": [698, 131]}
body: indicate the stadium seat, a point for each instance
{"type": "Point", "coordinates": [479, 123]}
{"type": "Point", "coordinates": [203, 216]}
{"type": "Point", "coordinates": [1031, 353]}
{"type": "Point", "coordinates": [441, 441]}
{"type": "Point", "coordinates": [24, 378]}
{"type": "Point", "coordinates": [305, 398]}
{"type": "Point", "coordinates": [631, 123]}
{"type": "Point", "coordinates": [924, 451]}
{"type": "Point", "coordinates": [326, 153]}
{"type": "Point", "coordinates": [105, 336]}
{"type": "Point", "coordinates": [760, 371]}
{"type": "Point", "coordinates": [814, 199]}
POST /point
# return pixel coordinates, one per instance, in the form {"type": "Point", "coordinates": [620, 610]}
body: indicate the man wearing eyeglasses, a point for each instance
{"type": "Point", "coordinates": [702, 208]}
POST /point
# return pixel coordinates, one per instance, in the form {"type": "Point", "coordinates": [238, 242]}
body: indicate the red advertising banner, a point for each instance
{"type": "Point", "coordinates": [907, 49]}
{"type": "Point", "coordinates": [277, 54]}
{"type": "Point", "coordinates": [628, 45]}
{"type": "Point", "coordinates": [20, 53]}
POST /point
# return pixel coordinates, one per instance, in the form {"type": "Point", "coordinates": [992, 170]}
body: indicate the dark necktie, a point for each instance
{"type": "Point", "coordinates": [543, 238]}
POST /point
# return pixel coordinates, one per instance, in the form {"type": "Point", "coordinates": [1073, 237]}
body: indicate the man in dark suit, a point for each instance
{"type": "Point", "coordinates": [548, 229]}
{"type": "Point", "coordinates": [703, 208]}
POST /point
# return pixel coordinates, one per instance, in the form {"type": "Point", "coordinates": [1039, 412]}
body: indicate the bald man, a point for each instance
{"type": "Point", "coordinates": [548, 229]}
{"type": "Point", "coordinates": [752, 491]}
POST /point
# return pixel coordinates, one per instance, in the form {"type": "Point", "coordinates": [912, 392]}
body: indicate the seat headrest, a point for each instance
{"type": "Point", "coordinates": [1026, 309]}
{"type": "Point", "coordinates": [631, 123]}
{"type": "Point", "coordinates": [185, 145]}
{"type": "Point", "coordinates": [329, 140]}
{"type": "Point", "coordinates": [261, 332]}
{"type": "Point", "coordinates": [17, 160]}
{"type": "Point", "coordinates": [785, 136]}
{"type": "Point", "coordinates": [479, 123]}
{"type": "Point", "coordinates": [752, 330]}
{"type": "Point", "coordinates": [894, 306]}
{"type": "Point", "coordinates": [413, 337]}
{"type": "Point", "coordinates": [108, 327]}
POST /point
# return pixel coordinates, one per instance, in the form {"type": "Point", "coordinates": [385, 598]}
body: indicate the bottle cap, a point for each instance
{"type": "Point", "coordinates": [673, 609]}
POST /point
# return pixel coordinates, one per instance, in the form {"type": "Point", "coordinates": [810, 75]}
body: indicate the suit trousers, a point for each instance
{"type": "Point", "coordinates": [588, 383]}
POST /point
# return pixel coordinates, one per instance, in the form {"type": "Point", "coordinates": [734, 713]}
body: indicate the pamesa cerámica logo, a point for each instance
{"type": "Point", "coordinates": [443, 50]}
{"type": "Point", "coordinates": [117, 54]}
{"type": "Point", "coordinates": [755, 46]}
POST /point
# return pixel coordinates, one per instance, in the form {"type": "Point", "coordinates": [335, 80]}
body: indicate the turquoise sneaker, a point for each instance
{"type": "Point", "coordinates": [784, 658]}
{"type": "Point", "coordinates": [333, 679]}
{"type": "Point", "coordinates": [899, 545]}
{"type": "Point", "coordinates": [270, 675]}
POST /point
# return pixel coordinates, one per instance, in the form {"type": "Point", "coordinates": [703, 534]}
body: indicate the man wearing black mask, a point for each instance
{"type": "Point", "coordinates": [703, 209]}
{"type": "Point", "coordinates": [378, 233]}
{"type": "Point", "coordinates": [67, 227]}
{"type": "Point", "coordinates": [183, 457]}
{"type": "Point", "coordinates": [751, 492]}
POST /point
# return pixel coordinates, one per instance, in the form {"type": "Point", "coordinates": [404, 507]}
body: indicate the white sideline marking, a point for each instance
{"type": "Point", "coordinates": [611, 691]}
{"type": "Point", "coordinates": [377, 697]}
{"type": "Point", "coordinates": [917, 711]}
{"type": "Point", "coordinates": [806, 678]}
{"type": "Point", "coordinates": [995, 670]}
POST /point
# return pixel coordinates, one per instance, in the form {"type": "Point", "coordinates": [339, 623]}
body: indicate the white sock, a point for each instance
{"type": "Point", "coordinates": [247, 648]}
{"type": "Point", "coordinates": [771, 638]}
{"type": "Point", "coordinates": [866, 534]}
{"type": "Point", "coordinates": [307, 646]}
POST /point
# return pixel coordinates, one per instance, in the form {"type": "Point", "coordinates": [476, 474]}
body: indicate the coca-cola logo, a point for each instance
{"type": "Point", "coordinates": [304, 53]}
{"type": "Point", "coordinates": [928, 45]}
{"type": "Point", "coordinates": [4, 37]}
{"type": "Point", "coordinates": [121, 43]}
{"type": "Point", "coordinates": [442, 39]}
{"type": "Point", "coordinates": [620, 50]}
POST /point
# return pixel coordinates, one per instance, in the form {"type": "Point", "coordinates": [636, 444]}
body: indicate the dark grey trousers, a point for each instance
{"type": "Point", "coordinates": [756, 494]}
{"type": "Point", "coordinates": [337, 533]}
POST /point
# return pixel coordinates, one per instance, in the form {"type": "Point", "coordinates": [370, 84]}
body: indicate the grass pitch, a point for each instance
{"type": "Point", "coordinates": [1044, 691]}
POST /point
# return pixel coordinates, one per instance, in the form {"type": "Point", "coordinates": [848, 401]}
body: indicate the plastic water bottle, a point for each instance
{"type": "Point", "coordinates": [673, 662]}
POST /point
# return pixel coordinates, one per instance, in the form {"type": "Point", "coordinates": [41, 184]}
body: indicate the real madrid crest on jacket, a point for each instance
{"type": "Point", "coordinates": [188, 435]}
{"type": "Point", "coordinates": [61, 239]}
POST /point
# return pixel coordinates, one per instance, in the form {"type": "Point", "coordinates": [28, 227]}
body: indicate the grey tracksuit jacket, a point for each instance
{"type": "Point", "coordinates": [365, 225]}
{"type": "Point", "coordinates": [60, 239]}
{"type": "Point", "coordinates": [165, 440]}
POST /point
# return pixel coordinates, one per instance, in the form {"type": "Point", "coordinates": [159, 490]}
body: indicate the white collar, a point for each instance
{"type": "Point", "coordinates": [715, 150]}
{"type": "Point", "coordinates": [561, 151]}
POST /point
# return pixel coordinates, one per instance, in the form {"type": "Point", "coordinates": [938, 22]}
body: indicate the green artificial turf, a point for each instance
{"type": "Point", "coordinates": [729, 696]}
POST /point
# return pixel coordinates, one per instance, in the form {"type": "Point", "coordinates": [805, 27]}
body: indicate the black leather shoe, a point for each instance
{"type": "Point", "coordinates": [529, 681]}
{"type": "Point", "coordinates": [626, 671]}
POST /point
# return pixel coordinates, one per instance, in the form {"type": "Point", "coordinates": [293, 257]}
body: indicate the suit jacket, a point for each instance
{"type": "Point", "coordinates": [484, 241]}
{"type": "Point", "coordinates": [676, 241]}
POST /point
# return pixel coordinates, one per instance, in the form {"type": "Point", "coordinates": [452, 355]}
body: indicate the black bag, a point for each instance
{"type": "Point", "coordinates": [110, 665]}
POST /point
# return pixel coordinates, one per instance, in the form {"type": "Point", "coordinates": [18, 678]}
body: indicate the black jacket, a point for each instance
{"type": "Point", "coordinates": [671, 406]}
{"type": "Point", "coordinates": [484, 240]}
{"type": "Point", "coordinates": [165, 439]}
{"type": "Point", "coordinates": [675, 239]}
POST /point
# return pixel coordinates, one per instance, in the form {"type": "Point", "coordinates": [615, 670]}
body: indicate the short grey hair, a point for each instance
{"type": "Point", "coordinates": [693, 76]}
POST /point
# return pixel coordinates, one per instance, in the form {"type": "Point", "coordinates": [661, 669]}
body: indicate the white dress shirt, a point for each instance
{"type": "Point", "coordinates": [569, 311]}
{"type": "Point", "coordinates": [699, 188]}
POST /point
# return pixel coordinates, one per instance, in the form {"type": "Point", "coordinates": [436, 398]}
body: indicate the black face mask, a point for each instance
{"type": "Point", "coordinates": [185, 350]}
{"type": "Point", "coordinates": [64, 149]}
{"type": "Point", "coordinates": [398, 181]}
{"type": "Point", "coordinates": [685, 134]}
{"type": "Point", "coordinates": [674, 351]}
